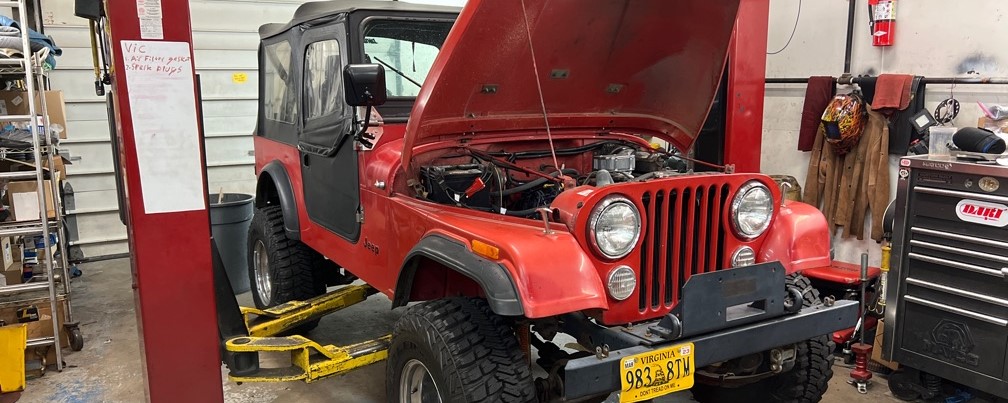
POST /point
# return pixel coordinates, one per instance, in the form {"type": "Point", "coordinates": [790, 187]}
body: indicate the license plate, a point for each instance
{"type": "Point", "coordinates": [656, 373]}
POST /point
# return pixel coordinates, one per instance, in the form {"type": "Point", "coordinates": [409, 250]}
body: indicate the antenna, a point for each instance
{"type": "Point", "coordinates": [542, 101]}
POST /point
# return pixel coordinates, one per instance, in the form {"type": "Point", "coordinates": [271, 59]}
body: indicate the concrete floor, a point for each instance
{"type": "Point", "coordinates": [109, 370]}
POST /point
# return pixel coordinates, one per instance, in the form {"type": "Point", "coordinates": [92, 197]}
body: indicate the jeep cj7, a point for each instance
{"type": "Point", "coordinates": [517, 170]}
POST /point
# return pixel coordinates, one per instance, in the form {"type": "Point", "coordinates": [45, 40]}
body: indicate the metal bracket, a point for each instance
{"type": "Point", "coordinates": [310, 361]}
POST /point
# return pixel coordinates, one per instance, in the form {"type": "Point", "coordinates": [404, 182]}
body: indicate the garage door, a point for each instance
{"type": "Point", "coordinates": [225, 39]}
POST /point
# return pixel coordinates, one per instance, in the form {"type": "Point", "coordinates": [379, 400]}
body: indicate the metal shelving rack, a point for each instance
{"type": "Point", "coordinates": [54, 283]}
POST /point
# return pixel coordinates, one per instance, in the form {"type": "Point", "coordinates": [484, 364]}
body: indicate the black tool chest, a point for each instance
{"type": "Point", "coordinates": [947, 310]}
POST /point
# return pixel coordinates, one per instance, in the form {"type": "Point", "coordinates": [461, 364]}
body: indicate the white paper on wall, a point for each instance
{"type": "Point", "coordinates": [162, 102]}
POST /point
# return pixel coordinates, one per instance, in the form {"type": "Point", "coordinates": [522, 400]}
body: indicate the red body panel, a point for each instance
{"type": "Point", "coordinates": [394, 223]}
{"type": "Point", "coordinates": [645, 66]}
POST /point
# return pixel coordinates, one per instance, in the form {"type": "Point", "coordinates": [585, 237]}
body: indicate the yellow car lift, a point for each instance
{"type": "Point", "coordinates": [310, 361]}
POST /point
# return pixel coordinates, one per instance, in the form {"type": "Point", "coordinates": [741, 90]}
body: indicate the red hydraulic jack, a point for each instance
{"type": "Point", "coordinates": [860, 375]}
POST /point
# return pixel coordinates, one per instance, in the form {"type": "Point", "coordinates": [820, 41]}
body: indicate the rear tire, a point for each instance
{"type": "Point", "coordinates": [456, 350]}
{"type": "Point", "coordinates": [280, 269]}
{"type": "Point", "coordinates": [805, 383]}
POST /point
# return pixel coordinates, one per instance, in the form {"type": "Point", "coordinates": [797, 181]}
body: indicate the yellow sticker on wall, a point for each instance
{"type": "Point", "coordinates": [239, 78]}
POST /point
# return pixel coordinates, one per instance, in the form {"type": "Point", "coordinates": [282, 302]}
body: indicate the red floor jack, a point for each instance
{"type": "Point", "coordinates": [860, 375]}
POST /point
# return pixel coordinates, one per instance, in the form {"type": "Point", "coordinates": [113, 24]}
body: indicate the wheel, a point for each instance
{"type": "Point", "coordinates": [456, 350]}
{"type": "Point", "coordinates": [905, 384]}
{"type": "Point", "coordinates": [76, 339]}
{"type": "Point", "coordinates": [805, 383]}
{"type": "Point", "coordinates": [280, 269]}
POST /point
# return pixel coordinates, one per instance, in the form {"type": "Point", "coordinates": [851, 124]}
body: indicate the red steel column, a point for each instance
{"type": "Point", "coordinates": [746, 75]}
{"type": "Point", "coordinates": [168, 231]}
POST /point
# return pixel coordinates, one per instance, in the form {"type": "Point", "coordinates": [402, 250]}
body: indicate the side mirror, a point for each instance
{"type": "Point", "coordinates": [364, 84]}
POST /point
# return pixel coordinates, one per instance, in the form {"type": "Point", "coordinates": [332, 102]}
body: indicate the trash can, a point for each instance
{"type": "Point", "coordinates": [230, 217]}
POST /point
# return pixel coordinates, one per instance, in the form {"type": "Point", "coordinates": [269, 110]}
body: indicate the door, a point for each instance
{"type": "Point", "coordinates": [326, 147]}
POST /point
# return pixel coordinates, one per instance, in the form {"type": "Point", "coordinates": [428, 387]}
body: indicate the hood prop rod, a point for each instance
{"type": "Point", "coordinates": [564, 179]}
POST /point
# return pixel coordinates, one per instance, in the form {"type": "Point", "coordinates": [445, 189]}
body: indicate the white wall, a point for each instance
{"type": "Point", "coordinates": [225, 40]}
{"type": "Point", "coordinates": [933, 38]}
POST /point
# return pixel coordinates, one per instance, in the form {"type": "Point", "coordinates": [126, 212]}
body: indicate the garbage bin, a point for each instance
{"type": "Point", "coordinates": [230, 217]}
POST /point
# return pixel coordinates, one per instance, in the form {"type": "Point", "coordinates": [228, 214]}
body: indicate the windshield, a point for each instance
{"type": "Point", "coordinates": [407, 49]}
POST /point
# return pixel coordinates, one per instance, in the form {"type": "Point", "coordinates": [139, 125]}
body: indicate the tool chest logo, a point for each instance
{"type": "Point", "coordinates": [974, 211]}
{"type": "Point", "coordinates": [953, 341]}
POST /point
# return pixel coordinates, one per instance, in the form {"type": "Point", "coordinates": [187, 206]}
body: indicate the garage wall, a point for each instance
{"type": "Point", "coordinates": [224, 39]}
{"type": "Point", "coordinates": [224, 35]}
{"type": "Point", "coordinates": [933, 38]}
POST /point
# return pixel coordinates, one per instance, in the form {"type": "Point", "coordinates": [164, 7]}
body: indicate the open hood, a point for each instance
{"type": "Point", "coordinates": [644, 66]}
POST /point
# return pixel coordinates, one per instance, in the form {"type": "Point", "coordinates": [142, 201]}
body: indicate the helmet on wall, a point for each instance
{"type": "Point", "coordinates": [843, 122]}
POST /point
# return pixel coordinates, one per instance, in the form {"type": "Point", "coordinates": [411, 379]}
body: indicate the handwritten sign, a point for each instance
{"type": "Point", "coordinates": [162, 101]}
{"type": "Point", "coordinates": [239, 78]}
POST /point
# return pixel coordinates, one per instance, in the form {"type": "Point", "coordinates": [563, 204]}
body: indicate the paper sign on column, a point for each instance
{"type": "Point", "coordinates": [162, 101]}
{"type": "Point", "coordinates": [151, 22]}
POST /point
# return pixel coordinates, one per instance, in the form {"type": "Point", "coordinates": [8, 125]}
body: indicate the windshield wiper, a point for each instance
{"type": "Point", "coordinates": [397, 71]}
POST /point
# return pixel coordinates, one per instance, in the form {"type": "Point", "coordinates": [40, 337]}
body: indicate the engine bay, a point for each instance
{"type": "Point", "coordinates": [518, 183]}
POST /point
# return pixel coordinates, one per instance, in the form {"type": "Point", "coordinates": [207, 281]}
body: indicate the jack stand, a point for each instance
{"type": "Point", "coordinates": [860, 375]}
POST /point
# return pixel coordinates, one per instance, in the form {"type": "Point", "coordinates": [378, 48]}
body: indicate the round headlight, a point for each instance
{"type": "Point", "coordinates": [614, 227]}
{"type": "Point", "coordinates": [621, 283]}
{"type": "Point", "coordinates": [751, 210]}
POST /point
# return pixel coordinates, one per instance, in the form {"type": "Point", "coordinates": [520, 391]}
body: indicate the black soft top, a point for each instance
{"type": "Point", "coordinates": [317, 10]}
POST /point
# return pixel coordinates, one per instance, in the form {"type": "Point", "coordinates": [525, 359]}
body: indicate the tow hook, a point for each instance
{"type": "Point", "coordinates": [776, 359]}
{"type": "Point", "coordinates": [782, 358]}
{"type": "Point", "coordinates": [793, 303]}
{"type": "Point", "coordinates": [602, 352]}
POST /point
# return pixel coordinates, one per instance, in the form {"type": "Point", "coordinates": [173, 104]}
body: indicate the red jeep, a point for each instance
{"type": "Point", "coordinates": [518, 167]}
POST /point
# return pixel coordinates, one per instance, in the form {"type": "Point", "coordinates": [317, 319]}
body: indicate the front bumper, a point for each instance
{"type": "Point", "coordinates": [715, 339]}
{"type": "Point", "coordinates": [591, 376]}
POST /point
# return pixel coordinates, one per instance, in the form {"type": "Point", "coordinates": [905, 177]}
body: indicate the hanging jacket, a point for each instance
{"type": "Point", "coordinates": [846, 188]}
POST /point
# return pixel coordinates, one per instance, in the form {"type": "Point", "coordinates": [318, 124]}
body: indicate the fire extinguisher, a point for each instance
{"type": "Point", "coordinates": [883, 21]}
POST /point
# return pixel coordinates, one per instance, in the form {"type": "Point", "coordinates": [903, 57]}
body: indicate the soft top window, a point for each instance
{"type": "Point", "coordinates": [279, 95]}
{"type": "Point", "coordinates": [323, 80]}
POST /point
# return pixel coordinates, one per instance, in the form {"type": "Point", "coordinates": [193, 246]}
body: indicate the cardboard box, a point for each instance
{"type": "Point", "coordinates": [876, 354]}
{"type": "Point", "coordinates": [997, 126]}
{"type": "Point", "coordinates": [12, 275]}
{"type": "Point", "coordinates": [15, 103]}
{"type": "Point", "coordinates": [22, 198]}
{"type": "Point", "coordinates": [40, 328]}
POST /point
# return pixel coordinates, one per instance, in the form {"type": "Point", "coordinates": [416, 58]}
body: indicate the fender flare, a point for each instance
{"type": "Point", "coordinates": [285, 194]}
{"type": "Point", "coordinates": [492, 277]}
{"type": "Point", "coordinates": [799, 238]}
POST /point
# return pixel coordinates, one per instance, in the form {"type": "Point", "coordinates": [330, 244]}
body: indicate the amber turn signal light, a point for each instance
{"type": "Point", "coordinates": [486, 250]}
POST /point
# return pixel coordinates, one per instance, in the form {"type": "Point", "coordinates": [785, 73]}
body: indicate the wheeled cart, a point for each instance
{"type": "Point", "coordinates": [948, 312]}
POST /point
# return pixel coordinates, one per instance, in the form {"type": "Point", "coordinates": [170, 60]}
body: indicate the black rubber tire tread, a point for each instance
{"type": "Point", "coordinates": [471, 353]}
{"type": "Point", "coordinates": [293, 264]}
{"type": "Point", "coordinates": [805, 383]}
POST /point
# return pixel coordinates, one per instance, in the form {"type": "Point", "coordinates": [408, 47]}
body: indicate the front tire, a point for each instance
{"type": "Point", "coordinates": [280, 269]}
{"type": "Point", "coordinates": [805, 383]}
{"type": "Point", "coordinates": [456, 350]}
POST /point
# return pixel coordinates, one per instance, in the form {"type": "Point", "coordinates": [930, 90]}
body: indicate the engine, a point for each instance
{"type": "Point", "coordinates": [519, 183]}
